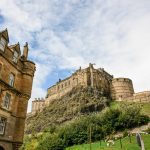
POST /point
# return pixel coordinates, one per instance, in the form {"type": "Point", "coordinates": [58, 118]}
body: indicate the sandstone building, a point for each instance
{"type": "Point", "coordinates": [118, 89]}
{"type": "Point", "coordinates": [16, 76]}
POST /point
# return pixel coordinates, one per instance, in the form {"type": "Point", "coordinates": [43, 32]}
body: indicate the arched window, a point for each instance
{"type": "Point", "coordinates": [2, 44]}
{"type": "Point", "coordinates": [11, 79]}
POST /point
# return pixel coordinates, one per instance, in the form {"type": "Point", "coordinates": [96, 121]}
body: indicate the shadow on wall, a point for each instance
{"type": "Point", "coordinates": [1, 148]}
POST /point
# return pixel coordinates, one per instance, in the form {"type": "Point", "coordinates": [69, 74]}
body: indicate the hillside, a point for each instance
{"type": "Point", "coordinates": [80, 101]}
{"type": "Point", "coordinates": [104, 124]}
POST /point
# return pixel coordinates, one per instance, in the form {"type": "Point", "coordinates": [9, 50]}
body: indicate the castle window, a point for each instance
{"type": "Point", "coordinates": [6, 101]}
{"type": "Point", "coordinates": [62, 86]}
{"type": "Point", "coordinates": [15, 57]}
{"type": "Point", "coordinates": [11, 79]}
{"type": "Point", "coordinates": [2, 44]}
{"type": "Point", "coordinates": [2, 125]}
{"type": "Point", "coordinates": [68, 82]}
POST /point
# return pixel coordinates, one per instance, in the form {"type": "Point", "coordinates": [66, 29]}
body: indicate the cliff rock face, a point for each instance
{"type": "Point", "coordinates": [79, 101]}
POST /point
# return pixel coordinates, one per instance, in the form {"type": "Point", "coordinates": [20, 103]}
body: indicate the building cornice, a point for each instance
{"type": "Point", "coordinates": [19, 61]}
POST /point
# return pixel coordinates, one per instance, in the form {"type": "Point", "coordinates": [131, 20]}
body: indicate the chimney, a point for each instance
{"type": "Point", "coordinates": [91, 65]}
{"type": "Point", "coordinates": [25, 51]}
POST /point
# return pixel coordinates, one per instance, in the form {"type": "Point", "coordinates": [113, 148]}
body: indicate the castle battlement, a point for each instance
{"type": "Point", "coordinates": [121, 80]}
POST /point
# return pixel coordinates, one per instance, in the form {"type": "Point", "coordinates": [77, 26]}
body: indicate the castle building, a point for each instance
{"type": "Point", "coordinates": [16, 76]}
{"type": "Point", "coordinates": [119, 89]}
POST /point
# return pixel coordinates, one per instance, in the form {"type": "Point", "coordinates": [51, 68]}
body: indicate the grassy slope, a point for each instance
{"type": "Point", "coordinates": [133, 146]}
{"type": "Point", "coordinates": [145, 107]}
{"type": "Point", "coordinates": [125, 143]}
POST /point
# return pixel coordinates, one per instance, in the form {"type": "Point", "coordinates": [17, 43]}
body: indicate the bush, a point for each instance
{"type": "Point", "coordinates": [51, 141]}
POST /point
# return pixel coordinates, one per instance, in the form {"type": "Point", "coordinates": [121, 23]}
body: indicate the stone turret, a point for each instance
{"type": "Point", "coordinates": [121, 88]}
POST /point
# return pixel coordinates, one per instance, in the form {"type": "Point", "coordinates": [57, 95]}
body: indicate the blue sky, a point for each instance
{"type": "Point", "coordinates": [66, 34]}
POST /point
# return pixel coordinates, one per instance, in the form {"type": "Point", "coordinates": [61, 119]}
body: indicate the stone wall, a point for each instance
{"type": "Point", "coordinates": [89, 76]}
{"type": "Point", "coordinates": [64, 86]}
{"type": "Point", "coordinates": [141, 97]}
{"type": "Point", "coordinates": [38, 104]}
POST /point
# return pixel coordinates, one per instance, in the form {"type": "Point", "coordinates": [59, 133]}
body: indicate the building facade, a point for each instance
{"type": "Point", "coordinates": [119, 89]}
{"type": "Point", "coordinates": [16, 76]}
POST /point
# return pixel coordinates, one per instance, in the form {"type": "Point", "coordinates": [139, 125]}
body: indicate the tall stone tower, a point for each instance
{"type": "Point", "coordinates": [16, 76]}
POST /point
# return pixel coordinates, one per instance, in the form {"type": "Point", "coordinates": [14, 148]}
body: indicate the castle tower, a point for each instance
{"type": "Point", "coordinates": [16, 77]}
{"type": "Point", "coordinates": [121, 88]}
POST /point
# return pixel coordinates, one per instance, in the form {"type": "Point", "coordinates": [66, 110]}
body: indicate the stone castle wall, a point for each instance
{"type": "Point", "coordinates": [141, 97]}
{"type": "Point", "coordinates": [64, 86]}
{"type": "Point", "coordinates": [83, 77]}
{"type": "Point", "coordinates": [89, 76]}
{"type": "Point", "coordinates": [38, 104]}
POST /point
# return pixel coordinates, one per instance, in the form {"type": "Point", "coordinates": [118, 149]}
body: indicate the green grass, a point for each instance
{"type": "Point", "coordinates": [145, 107]}
{"type": "Point", "coordinates": [126, 145]}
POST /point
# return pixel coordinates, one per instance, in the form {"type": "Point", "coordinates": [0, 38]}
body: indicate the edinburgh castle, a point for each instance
{"type": "Point", "coordinates": [119, 89]}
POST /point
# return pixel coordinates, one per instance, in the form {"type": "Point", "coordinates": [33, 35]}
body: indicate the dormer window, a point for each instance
{"type": "Point", "coordinates": [2, 44]}
{"type": "Point", "coordinates": [15, 57]}
{"type": "Point", "coordinates": [11, 79]}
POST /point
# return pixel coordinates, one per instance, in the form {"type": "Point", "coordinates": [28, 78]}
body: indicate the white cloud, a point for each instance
{"type": "Point", "coordinates": [67, 34]}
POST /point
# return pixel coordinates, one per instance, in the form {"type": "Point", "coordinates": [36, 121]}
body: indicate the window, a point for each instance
{"type": "Point", "coordinates": [11, 79]}
{"type": "Point", "coordinates": [2, 125]}
{"type": "Point", "coordinates": [0, 69]}
{"type": "Point", "coordinates": [2, 43]}
{"type": "Point", "coordinates": [15, 57]}
{"type": "Point", "coordinates": [6, 101]}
